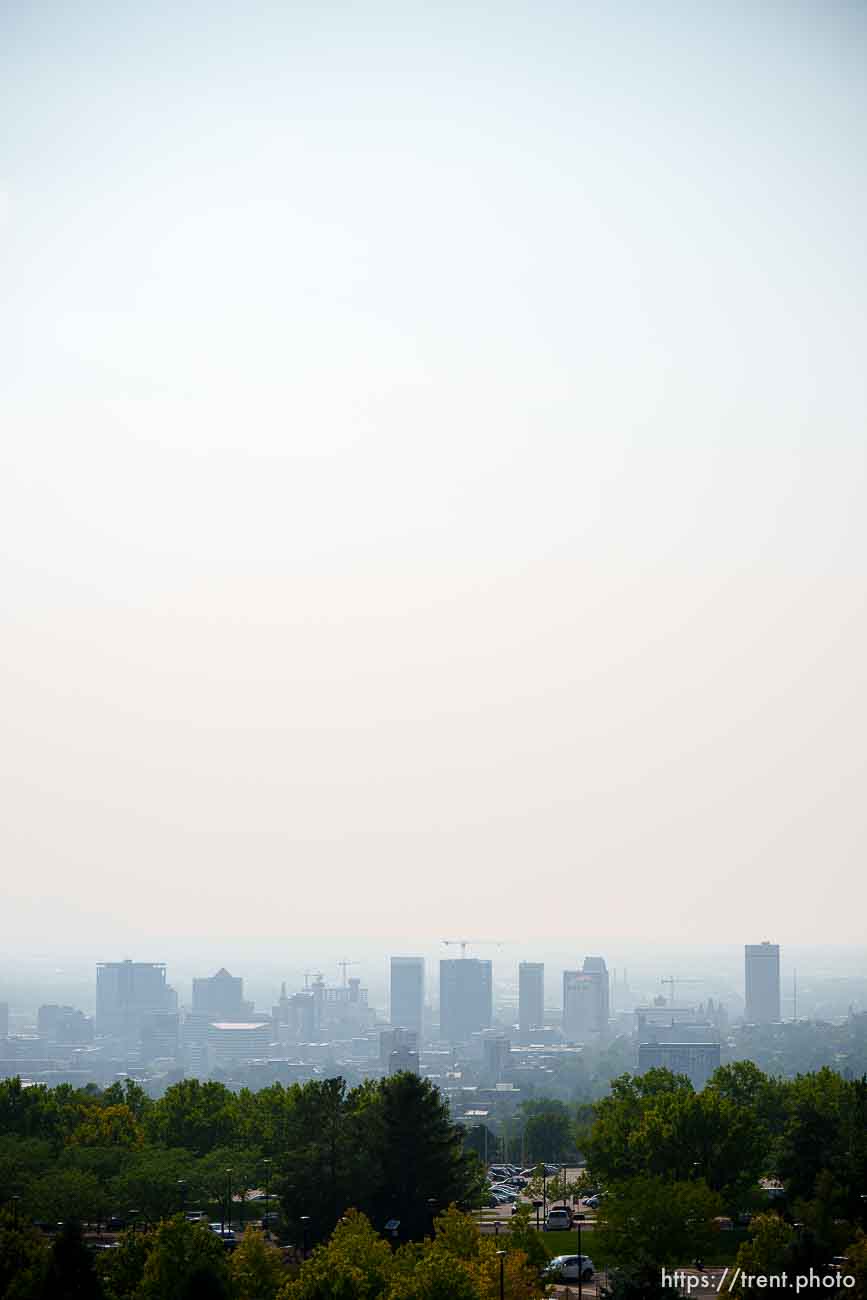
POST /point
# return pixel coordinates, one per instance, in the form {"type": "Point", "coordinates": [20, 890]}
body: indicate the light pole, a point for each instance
{"type": "Point", "coordinates": [501, 1255]}
{"type": "Point", "coordinates": [305, 1229]}
{"type": "Point", "coordinates": [132, 1215]}
{"type": "Point", "coordinates": [15, 1199]}
{"type": "Point", "coordinates": [267, 1162]}
{"type": "Point", "coordinates": [182, 1194]}
{"type": "Point", "coordinates": [578, 1221]}
{"type": "Point", "coordinates": [229, 1198]}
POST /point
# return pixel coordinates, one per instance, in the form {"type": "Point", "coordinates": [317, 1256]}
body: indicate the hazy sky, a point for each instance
{"type": "Point", "coordinates": [432, 487]}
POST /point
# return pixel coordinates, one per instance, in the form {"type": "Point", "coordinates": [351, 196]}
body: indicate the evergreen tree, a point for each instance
{"type": "Point", "coordinates": [71, 1273]}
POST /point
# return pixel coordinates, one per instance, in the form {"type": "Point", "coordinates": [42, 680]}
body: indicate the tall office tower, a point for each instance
{"type": "Point", "coordinates": [466, 998]}
{"type": "Point", "coordinates": [125, 990]}
{"type": "Point", "coordinates": [531, 995]}
{"type": "Point", "coordinates": [221, 996]}
{"type": "Point", "coordinates": [579, 1010]}
{"type": "Point", "coordinates": [762, 979]}
{"type": "Point", "coordinates": [596, 967]}
{"type": "Point", "coordinates": [4, 1019]}
{"type": "Point", "coordinates": [406, 1001]}
{"type": "Point", "coordinates": [586, 1000]}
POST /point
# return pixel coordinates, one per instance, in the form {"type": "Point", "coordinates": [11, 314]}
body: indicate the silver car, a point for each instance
{"type": "Point", "coordinates": [569, 1268]}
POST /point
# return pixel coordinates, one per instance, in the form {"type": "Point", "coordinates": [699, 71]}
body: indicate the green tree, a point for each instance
{"type": "Point", "coordinates": [416, 1152]}
{"type": "Point", "coordinates": [548, 1132]}
{"type": "Point", "coordinates": [71, 1274]}
{"type": "Point", "coordinates": [256, 1268]}
{"type": "Point", "coordinates": [23, 1259]}
{"type": "Point", "coordinates": [64, 1195]}
{"type": "Point", "coordinates": [767, 1253]}
{"type": "Point", "coordinates": [194, 1115]}
{"type": "Point", "coordinates": [128, 1093]}
{"type": "Point", "coordinates": [856, 1266]}
{"type": "Point", "coordinates": [121, 1270]}
{"type": "Point", "coordinates": [321, 1154]}
{"type": "Point", "coordinates": [651, 1220]}
{"type": "Point", "coordinates": [642, 1281]}
{"type": "Point", "coordinates": [149, 1183]}
{"type": "Point", "coordinates": [355, 1264]}
{"type": "Point", "coordinates": [185, 1259]}
{"type": "Point", "coordinates": [524, 1237]}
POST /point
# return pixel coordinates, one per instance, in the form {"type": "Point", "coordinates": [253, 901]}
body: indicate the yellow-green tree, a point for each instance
{"type": "Point", "coordinates": [354, 1264]}
{"type": "Point", "coordinates": [256, 1268]}
{"type": "Point", "coordinates": [107, 1126]}
{"type": "Point", "coordinates": [767, 1253]}
{"type": "Point", "coordinates": [182, 1252]}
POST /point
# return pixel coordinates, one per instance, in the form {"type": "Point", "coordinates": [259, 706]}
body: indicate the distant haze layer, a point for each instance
{"type": "Point", "coordinates": [431, 498]}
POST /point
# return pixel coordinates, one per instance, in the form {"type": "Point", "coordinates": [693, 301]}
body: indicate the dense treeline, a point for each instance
{"type": "Point", "coordinates": [674, 1161]}
{"type": "Point", "coordinates": [387, 1148]}
{"type": "Point", "coordinates": [670, 1161]}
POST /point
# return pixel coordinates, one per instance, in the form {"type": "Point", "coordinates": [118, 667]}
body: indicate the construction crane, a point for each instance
{"type": "Point", "coordinates": [672, 980]}
{"type": "Point", "coordinates": [343, 965]}
{"type": "Point", "coordinates": [463, 943]}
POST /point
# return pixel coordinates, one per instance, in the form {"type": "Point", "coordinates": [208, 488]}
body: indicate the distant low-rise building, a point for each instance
{"type": "Point", "coordinates": [58, 1024]}
{"type": "Point", "coordinates": [697, 1061]}
{"type": "Point", "coordinates": [398, 1050]}
{"type": "Point", "coordinates": [236, 1043]}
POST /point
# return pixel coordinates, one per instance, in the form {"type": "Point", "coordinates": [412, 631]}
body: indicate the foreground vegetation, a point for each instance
{"type": "Point", "coordinates": [361, 1176]}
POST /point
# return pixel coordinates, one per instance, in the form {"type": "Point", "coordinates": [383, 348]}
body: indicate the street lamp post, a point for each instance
{"type": "Point", "coordinates": [182, 1194]}
{"type": "Point", "coordinates": [501, 1255]}
{"type": "Point", "coordinates": [132, 1215]}
{"type": "Point", "coordinates": [578, 1221]}
{"type": "Point", "coordinates": [229, 1198]}
{"type": "Point", "coordinates": [15, 1199]}
{"type": "Point", "coordinates": [305, 1229]}
{"type": "Point", "coordinates": [267, 1162]}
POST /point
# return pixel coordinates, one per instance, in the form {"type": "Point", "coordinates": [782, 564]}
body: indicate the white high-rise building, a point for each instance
{"type": "Point", "coordinates": [762, 980]}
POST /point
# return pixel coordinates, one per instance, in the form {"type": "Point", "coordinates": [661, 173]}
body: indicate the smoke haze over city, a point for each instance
{"type": "Point", "coordinates": [432, 491]}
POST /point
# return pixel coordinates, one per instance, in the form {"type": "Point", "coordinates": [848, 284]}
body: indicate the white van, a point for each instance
{"type": "Point", "coordinates": [558, 1220]}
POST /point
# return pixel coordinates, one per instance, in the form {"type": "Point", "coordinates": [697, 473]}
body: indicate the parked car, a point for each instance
{"type": "Point", "coordinates": [226, 1235]}
{"type": "Point", "coordinates": [196, 1216]}
{"type": "Point", "coordinates": [569, 1268]}
{"type": "Point", "coordinates": [593, 1202]}
{"type": "Point", "coordinates": [558, 1220]}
